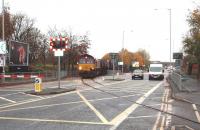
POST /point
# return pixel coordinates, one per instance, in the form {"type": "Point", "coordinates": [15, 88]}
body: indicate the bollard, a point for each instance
{"type": "Point", "coordinates": [38, 84]}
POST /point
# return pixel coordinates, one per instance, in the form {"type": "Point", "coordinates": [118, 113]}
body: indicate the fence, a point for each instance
{"type": "Point", "coordinates": [176, 79]}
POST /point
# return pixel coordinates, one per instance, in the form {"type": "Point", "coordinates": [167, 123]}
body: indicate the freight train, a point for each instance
{"type": "Point", "coordinates": [89, 67]}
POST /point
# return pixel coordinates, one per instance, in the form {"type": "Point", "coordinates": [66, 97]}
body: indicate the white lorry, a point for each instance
{"type": "Point", "coordinates": [156, 71]}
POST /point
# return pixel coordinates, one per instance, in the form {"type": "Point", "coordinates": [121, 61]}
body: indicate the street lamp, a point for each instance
{"type": "Point", "coordinates": [3, 36]}
{"type": "Point", "coordinates": [123, 50]}
{"type": "Point", "coordinates": [170, 32]}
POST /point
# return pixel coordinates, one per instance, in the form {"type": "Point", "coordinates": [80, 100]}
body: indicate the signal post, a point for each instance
{"type": "Point", "coordinates": [58, 46]}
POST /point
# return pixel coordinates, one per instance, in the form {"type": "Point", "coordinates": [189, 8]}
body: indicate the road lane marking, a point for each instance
{"type": "Point", "coordinates": [53, 121]}
{"type": "Point", "coordinates": [10, 94]}
{"type": "Point", "coordinates": [137, 117]}
{"type": "Point", "coordinates": [173, 128]}
{"type": "Point", "coordinates": [162, 123]}
{"type": "Point", "coordinates": [196, 112]}
{"type": "Point", "coordinates": [31, 95]}
{"type": "Point", "coordinates": [60, 104]}
{"type": "Point", "coordinates": [159, 113]}
{"type": "Point", "coordinates": [35, 100]}
{"type": "Point", "coordinates": [122, 116]}
{"type": "Point", "coordinates": [101, 117]}
{"type": "Point", "coordinates": [164, 108]}
{"type": "Point", "coordinates": [7, 100]}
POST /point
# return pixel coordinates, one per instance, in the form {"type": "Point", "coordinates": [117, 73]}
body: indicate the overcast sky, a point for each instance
{"type": "Point", "coordinates": [145, 22]}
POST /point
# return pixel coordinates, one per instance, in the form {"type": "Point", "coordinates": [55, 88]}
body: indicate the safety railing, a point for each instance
{"type": "Point", "coordinates": [176, 79]}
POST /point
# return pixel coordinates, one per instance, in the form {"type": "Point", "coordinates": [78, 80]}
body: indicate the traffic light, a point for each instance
{"type": "Point", "coordinates": [58, 44]}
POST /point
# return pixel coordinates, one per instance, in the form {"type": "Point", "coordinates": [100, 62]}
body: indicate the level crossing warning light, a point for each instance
{"type": "Point", "coordinates": [59, 44]}
{"type": "Point", "coordinates": [38, 84]}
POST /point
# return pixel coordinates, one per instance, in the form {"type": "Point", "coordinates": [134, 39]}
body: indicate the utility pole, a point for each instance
{"type": "Point", "coordinates": [123, 52]}
{"type": "Point", "coordinates": [170, 33]}
{"type": "Point", "coordinates": [3, 37]}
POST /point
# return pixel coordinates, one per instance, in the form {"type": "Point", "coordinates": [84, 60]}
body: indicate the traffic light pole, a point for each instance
{"type": "Point", "coordinates": [58, 71]}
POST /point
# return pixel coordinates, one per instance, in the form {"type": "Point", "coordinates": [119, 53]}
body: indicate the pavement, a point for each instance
{"type": "Point", "coordinates": [190, 90]}
{"type": "Point", "coordinates": [186, 103]}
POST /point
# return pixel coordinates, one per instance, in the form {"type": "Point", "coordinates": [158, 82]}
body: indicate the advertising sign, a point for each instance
{"type": "Point", "coordinates": [2, 60]}
{"type": "Point", "coordinates": [3, 47]}
{"type": "Point", "coordinates": [18, 54]}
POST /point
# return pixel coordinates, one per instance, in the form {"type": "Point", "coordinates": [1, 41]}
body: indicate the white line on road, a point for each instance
{"type": "Point", "coordinates": [122, 116]}
{"type": "Point", "coordinates": [53, 121]}
{"type": "Point", "coordinates": [60, 104]}
{"type": "Point", "coordinates": [35, 100]}
{"type": "Point", "coordinates": [196, 112]}
{"type": "Point", "coordinates": [101, 117]}
{"type": "Point", "coordinates": [32, 95]}
{"type": "Point", "coordinates": [7, 100]}
{"type": "Point", "coordinates": [137, 117]}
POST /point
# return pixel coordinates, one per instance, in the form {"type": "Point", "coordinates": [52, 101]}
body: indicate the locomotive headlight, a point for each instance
{"type": "Point", "coordinates": [92, 68]}
{"type": "Point", "coordinates": [80, 67]}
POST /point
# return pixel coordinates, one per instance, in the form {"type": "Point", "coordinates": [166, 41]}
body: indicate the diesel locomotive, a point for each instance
{"type": "Point", "coordinates": [89, 67]}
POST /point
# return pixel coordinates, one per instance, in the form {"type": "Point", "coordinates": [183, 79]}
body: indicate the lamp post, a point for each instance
{"type": "Point", "coordinates": [123, 35]}
{"type": "Point", "coordinates": [123, 52]}
{"type": "Point", "coordinates": [170, 33]}
{"type": "Point", "coordinates": [3, 37]}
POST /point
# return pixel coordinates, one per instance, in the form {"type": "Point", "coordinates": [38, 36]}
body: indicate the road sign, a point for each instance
{"type": "Point", "coordinates": [120, 63]}
{"type": "Point", "coordinates": [177, 55]}
{"type": "Point", "coordinates": [113, 55]}
{"type": "Point", "coordinates": [38, 80]}
{"type": "Point", "coordinates": [38, 84]}
{"type": "Point", "coordinates": [58, 53]}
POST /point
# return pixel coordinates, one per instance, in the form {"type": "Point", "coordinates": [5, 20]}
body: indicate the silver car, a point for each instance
{"type": "Point", "coordinates": [137, 74]}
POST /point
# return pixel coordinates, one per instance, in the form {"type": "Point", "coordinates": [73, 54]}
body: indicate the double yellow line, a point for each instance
{"type": "Point", "coordinates": [164, 108]}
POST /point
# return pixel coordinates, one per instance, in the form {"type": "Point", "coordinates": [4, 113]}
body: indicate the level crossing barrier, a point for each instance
{"type": "Point", "coordinates": [23, 77]}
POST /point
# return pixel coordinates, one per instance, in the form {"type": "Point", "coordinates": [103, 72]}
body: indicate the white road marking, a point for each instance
{"type": "Point", "coordinates": [196, 112]}
{"type": "Point", "coordinates": [101, 117]}
{"type": "Point", "coordinates": [53, 121]}
{"type": "Point", "coordinates": [10, 94]}
{"type": "Point", "coordinates": [7, 100]}
{"type": "Point", "coordinates": [137, 117]}
{"type": "Point", "coordinates": [33, 95]}
{"type": "Point", "coordinates": [34, 100]}
{"type": "Point", "coordinates": [122, 116]}
{"type": "Point", "coordinates": [174, 127]}
{"type": "Point", "coordinates": [60, 104]}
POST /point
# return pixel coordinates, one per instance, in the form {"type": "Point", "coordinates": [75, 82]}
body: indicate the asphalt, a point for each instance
{"type": "Point", "coordinates": [101, 106]}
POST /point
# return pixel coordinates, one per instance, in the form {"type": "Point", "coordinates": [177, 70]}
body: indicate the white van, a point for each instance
{"type": "Point", "coordinates": [156, 71]}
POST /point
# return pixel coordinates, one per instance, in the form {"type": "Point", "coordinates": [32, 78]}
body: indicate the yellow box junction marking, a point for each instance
{"type": "Point", "coordinates": [53, 121]}
{"type": "Point", "coordinates": [122, 116]}
{"type": "Point", "coordinates": [101, 117]}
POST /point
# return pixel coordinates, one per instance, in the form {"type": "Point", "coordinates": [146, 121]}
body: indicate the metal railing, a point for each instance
{"type": "Point", "coordinates": [176, 79]}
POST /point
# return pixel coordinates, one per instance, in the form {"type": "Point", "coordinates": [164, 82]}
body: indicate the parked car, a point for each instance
{"type": "Point", "coordinates": [137, 74]}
